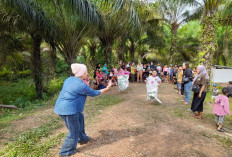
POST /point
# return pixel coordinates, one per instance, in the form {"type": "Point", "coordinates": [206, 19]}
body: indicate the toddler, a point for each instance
{"type": "Point", "coordinates": [221, 109]}
{"type": "Point", "coordinates": [214, 93]}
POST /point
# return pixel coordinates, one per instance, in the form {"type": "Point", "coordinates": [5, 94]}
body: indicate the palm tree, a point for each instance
{"type": "Point", "coordinates": [119, 17]}
{"type": "Point", "coordinates": [207, 11]}
{"type": "Point", "coordinates": [30, 18]}
{"type": "Point", "coordinates": [174, 13]}
{"type": "Point", "coordinates": [40, 26]}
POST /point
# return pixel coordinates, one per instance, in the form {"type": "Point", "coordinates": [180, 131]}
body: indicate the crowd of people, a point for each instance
{"type": "Point", "coordinates": [186, 80]}
{"type": "Point", "coordinates": [139, 72]}
{"type": "Point", "coordinates": [71, 101]}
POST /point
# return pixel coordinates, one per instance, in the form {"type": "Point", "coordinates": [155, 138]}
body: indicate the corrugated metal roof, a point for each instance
{"type": "Point", "coordinates": [222, 67]}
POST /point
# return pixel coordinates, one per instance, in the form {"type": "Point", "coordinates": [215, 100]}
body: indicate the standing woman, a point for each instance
{"type": "Point", "coordinates": [200, 83]}
{"type": "Point", "coordinates": [187, 82]}
{"type": "Point", "coordinates": [139, 72]}
{"type": "Point", "coordinates": [70, 105]}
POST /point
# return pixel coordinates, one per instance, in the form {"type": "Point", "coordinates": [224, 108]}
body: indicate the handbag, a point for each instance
{"type": "Point", "coordinates": [185, 79]}
{"type": "Point", "coordinates": [196, 88]}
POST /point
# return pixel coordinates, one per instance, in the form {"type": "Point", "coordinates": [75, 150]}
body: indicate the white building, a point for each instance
{"type": "Point", "coordinates": [221, 74]}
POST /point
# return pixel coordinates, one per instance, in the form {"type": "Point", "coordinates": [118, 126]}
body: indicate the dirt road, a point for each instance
{"type": "Point", "coordinates": [140, 128]}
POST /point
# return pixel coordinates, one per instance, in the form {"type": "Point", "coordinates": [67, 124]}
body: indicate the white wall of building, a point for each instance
{"type": "Point", "coordinates": [221, 75]}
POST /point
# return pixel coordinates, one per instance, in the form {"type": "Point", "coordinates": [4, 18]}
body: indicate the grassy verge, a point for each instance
{"type": "Point", "coordinates": [26, 144]}
{"type": "Point", "coordinates": [7, 118]}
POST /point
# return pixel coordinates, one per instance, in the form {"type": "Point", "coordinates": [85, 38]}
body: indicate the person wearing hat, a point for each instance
{"type": "Point", "coordinates": [214, 93]}
{"type": "Point", "coordinates": [230, 89]}
{"type": "Point", "coordinates": [70, 105]}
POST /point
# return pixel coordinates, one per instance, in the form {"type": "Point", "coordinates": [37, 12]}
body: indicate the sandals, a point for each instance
{"type": "Point", "coordinates": [197, 117]}
{"type": "Point", "coordinates": [221, 130]}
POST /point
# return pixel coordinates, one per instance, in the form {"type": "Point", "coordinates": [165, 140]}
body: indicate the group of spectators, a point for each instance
{"type": "Point", "coordinates": [197, 80]}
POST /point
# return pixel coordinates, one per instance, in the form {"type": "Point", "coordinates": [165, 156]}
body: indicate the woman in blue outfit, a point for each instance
{"type": "Point", "coordinates": [105, 70]}
{"type": "Point", "coordinates": [187, 82]}
{"type": "Point", "coordinates": [70, 105]}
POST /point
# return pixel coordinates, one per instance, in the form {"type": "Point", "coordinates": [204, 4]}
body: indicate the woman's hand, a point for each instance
{"type": "Point", "coordinates": [107, 88]}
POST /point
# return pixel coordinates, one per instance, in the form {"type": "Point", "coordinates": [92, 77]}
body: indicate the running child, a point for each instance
{"type": "Point", "coordinates": [152, 84]}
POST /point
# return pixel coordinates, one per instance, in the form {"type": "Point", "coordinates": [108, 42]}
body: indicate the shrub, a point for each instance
{"type": "Point", "coordinates": [5, 74]}
{"type": "Point", "coordinates": [24, 73]}
{"type": "Point", "coordinates": [55, 85]}
{"type": "Point", "coordinates": [61, 66]}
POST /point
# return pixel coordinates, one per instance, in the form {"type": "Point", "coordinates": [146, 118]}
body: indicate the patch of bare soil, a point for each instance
{"type": "Point", "coordinates": [140, 128]}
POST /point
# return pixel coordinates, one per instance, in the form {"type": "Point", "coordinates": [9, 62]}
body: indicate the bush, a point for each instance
{"type": "Point", "coordinates": [61, 66]}
{"type": "Point", "coordinates": [24, 73]}
{"type": "Point", "coordinates": [55, 85]}
{"type": "Point", "coordinates": [19, 93]}
{"type": "Point", "coordinates": [5, 74]}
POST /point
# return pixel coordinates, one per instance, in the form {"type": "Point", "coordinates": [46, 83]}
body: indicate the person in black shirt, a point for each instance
{"type": "Point", "coordinates": [187, 80]}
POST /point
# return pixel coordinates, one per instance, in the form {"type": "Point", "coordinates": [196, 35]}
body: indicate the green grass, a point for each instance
{"type": "Point", "coordinates": [27, 143]}
{"type": "Point", "coordinates": [22, 93]}
{"type": "Point", "coordinates": [226, 142]}
{"type": "Point", "coordinates": [7, 118]}
{"type": "Point", "coordinates": [17, 93]}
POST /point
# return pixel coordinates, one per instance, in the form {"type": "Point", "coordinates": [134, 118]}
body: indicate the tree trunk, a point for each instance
{"type": "Point", "coordinates": [53, 58]}
{"type": "Point", "coordinates": [70, 58]}
{"type": "Point", "coordinates": [208, 47]}
{"type": "Point", "coordinates": [108, 54]}
{"type": "Point", "coordinates": [173, 48]}
{"type": "Point", "coordinates": [226, 46]}
{"type": "Point", "coordinates": [3, 59]}
{"type": "Point", "coordinates": [37, 65]}
{"type": "Point", "coordinates": [120, 51]}
{"type": "Point", "coordinates": [132, 51]}
{"type": "Point", "coordinates": [93, 60]}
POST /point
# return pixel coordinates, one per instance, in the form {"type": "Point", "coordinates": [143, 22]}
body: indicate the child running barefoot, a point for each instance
{"type": "Point", "coordinates": [221, 109]}
{"type": "Point", "coordinates": [153, 82]}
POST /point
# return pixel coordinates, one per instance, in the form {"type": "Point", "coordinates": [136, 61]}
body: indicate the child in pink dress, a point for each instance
{"type": "Point", "coordinates": [221, 109]}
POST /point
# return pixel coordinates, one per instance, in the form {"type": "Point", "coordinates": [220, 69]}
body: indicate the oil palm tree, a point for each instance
{"type": "Point", "coordinates": [206, 10]}
{"type": "Point", "coordinates": [37, 22]}
{"type": "Point", "coordinates": [174, 13]}
{"type": "Point", "coordinates": [119, 18]}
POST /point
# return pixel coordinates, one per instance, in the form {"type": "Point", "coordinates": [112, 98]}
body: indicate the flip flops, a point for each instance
{"type": "Point", "coordinates": [221, 130]}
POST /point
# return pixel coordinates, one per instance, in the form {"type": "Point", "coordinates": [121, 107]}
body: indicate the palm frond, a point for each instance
{"type": "Point", "coordinates": [85, 9]}
{"type": "Point", "coordinates": [196, 15]}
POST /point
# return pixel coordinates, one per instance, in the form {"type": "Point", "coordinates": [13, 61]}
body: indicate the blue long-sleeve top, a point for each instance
{"type": "Point", "coordinates": [73, 96]}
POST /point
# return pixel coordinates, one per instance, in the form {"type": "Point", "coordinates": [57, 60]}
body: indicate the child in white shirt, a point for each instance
{"type": "Point", "coordinates": [152, 84]}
